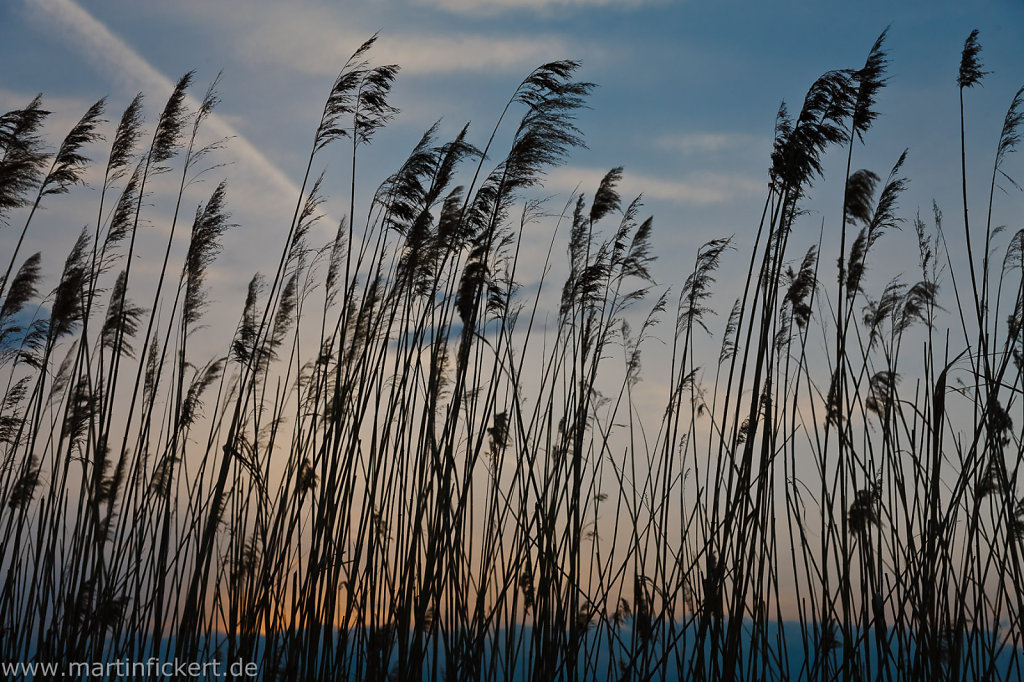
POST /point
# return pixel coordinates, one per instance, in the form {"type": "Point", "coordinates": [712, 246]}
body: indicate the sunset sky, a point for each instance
{"type": "Point", "coordinates": [686, 100]}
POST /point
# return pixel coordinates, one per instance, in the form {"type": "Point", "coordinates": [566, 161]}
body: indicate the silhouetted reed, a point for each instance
{"type": "Point", "coordinates": [399, 465]}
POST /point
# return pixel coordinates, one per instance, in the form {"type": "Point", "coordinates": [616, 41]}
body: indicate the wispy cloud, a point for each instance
{"type": "Point", "coordinates": [697, 143]}
{"type": "Point", "coordinates": [700, 188]}
{"type": "Point", "coordinates": [472, 52]}
{"type": "Point", "coordinates": [316, 40]}
{"type": "Point", "coordinates": [494, 6]}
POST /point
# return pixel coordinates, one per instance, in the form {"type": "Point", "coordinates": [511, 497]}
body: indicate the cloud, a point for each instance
{"type": "Point", "coordinates": [699, 189]}
{"type": "Point", "coordinates": [314, 40]}
{"type": "Point", "coordinates": [471, 53]}
{"type": "Point", "coordinates": [495, 6]}
{"type": "Point", "coordinates": [696, 143]}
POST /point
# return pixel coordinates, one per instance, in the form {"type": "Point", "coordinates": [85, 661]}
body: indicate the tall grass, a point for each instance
{"type": "Point", "coordinates": [404, 465]}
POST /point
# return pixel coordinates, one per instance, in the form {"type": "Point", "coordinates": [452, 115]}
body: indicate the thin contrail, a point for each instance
{"type": "Point", "coordinates": [116, 58]}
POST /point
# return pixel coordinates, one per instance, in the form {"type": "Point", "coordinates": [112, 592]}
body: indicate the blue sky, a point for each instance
{"type": "Point", "coordinates": [686, 100]}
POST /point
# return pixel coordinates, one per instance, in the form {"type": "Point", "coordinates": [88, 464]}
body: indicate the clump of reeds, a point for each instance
{"type": "Point", "coordinates": [399, 466]}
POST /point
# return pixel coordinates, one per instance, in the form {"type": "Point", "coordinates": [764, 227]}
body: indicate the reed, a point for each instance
{"type": "Point", "coordinates": [401, 465]}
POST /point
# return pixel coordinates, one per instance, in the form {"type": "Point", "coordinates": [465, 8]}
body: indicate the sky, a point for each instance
{"type": "Point", "coordinates": [686, 98]}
